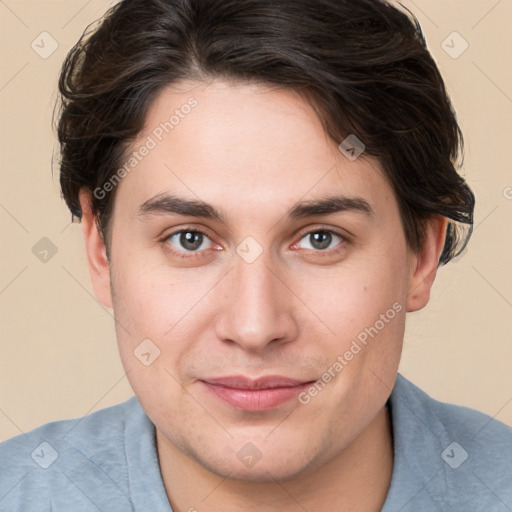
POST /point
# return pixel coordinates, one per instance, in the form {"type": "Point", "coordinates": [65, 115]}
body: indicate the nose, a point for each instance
{"type": "Point", "coordinates": [257, 307]}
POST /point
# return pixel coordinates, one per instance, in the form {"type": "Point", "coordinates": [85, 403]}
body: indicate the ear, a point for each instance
{"type": "Point", "coordinates": [99, 267]}
{"type": "Point", "coordinates": [423, 265]}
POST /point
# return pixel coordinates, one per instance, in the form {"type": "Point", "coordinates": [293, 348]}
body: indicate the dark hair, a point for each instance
{"type": "Point", "coordinates": [362, 64]}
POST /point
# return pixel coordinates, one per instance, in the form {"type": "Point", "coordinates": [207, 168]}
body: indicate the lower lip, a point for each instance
{"type": "Point", "coordinates": [256, 400]}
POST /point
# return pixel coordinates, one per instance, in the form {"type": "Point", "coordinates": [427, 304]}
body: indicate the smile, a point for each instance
{"type": "Point", "coordinates": [265, 393]}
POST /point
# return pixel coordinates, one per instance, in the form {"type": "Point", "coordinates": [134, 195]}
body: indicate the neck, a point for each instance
{"type": "Point", "coordinates": [357, 479]}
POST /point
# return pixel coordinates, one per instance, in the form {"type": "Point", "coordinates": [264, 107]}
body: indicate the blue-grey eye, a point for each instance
{"type": "Point", "coordinates": [189, 240]}
{"type": "Point", "coordinates": [320, 240]}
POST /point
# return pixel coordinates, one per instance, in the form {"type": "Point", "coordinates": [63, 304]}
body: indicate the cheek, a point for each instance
{"type": "Point", "coordinates": [169, 307]}
{"type": "Point", "coordinates": [147, 306]}
{"type": "Point", "coordinates": [144, 303]}
{"type": "Point", "coordinates": [150, 296]}
{"type": "Point", "coordinates": [353, 297]}
{"type": "Point", "coordinates": [363, 305]}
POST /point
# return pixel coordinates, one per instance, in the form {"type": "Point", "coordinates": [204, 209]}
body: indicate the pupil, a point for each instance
{"type": "Point", "coordinates": [321, 240]}
{"type": "Point", "coordinates": [191, 240]}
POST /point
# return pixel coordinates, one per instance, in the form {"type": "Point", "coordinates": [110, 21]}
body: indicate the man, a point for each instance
{"type": "Point", "coordinates": [266, 189]}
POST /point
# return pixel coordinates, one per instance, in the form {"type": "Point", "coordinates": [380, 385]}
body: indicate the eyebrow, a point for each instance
{"type": "Point", "coordinates": [168, 204]}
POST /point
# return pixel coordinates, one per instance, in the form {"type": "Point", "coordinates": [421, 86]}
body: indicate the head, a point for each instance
{"type": "Point", "coordinates": [230, 233]}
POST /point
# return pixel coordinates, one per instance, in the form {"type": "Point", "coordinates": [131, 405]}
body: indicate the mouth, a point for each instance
{"type": "Point", "coordinates": [255, 395]}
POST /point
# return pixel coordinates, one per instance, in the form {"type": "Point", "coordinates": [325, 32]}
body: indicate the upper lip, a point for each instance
{"type": "Point", "coordinates": [267, 382]}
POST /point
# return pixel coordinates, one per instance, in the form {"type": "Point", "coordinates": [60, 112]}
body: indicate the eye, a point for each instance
{"type": "Point", "coordinates": [189, 240]}
{"type": "Point", "coordinates": [321, 240]}
{"type": "Point", "coordinates": [194, 241]}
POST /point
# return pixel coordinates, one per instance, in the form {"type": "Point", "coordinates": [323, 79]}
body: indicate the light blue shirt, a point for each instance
{"type": "Point", "coordinates": [447, 458]}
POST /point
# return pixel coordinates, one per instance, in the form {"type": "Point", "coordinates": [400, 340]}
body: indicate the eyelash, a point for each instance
{"type": "Point", "coordinates": [197, 254]}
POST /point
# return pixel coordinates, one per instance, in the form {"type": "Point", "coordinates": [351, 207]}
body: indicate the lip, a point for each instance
{"type": "Point", "coordinates": [255, 395]}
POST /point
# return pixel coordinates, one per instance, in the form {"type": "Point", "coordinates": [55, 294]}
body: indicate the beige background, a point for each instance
{"type": "Point", "coordinates": [58, 353]}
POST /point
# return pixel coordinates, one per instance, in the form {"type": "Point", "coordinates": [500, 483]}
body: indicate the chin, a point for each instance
{"type": "Point", "coordinates": [266, 466]}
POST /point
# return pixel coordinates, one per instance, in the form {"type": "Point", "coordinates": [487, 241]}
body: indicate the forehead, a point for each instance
{"type": "Point", "coordinates": [251, 147]}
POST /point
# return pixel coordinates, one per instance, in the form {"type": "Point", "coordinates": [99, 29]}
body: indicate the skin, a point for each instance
{"type": "Point", "coordinates": [253, 152]}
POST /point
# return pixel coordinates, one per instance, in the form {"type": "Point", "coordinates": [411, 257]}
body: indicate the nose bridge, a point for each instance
{"type": "Point", "coordinates": [257, 310]}
{"type": "Point", "coordinates": [256, 285]}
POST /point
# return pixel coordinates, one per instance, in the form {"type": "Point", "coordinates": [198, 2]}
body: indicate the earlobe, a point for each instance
{"type": "Point", "coordinates": [99, 267]}
{"type": "Point", "coordinates": [423, 266]}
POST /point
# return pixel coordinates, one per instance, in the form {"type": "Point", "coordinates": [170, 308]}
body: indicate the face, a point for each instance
{"type": "Point", "coordinates": [273, 328]}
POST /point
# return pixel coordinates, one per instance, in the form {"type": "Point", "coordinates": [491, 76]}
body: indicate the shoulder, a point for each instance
{"type": "Point", "coordinates": [462, 456]}
{"type": "Point", "coordinates": [477, 430]}
{"type": "Point", "coordinates": [80, 455]}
